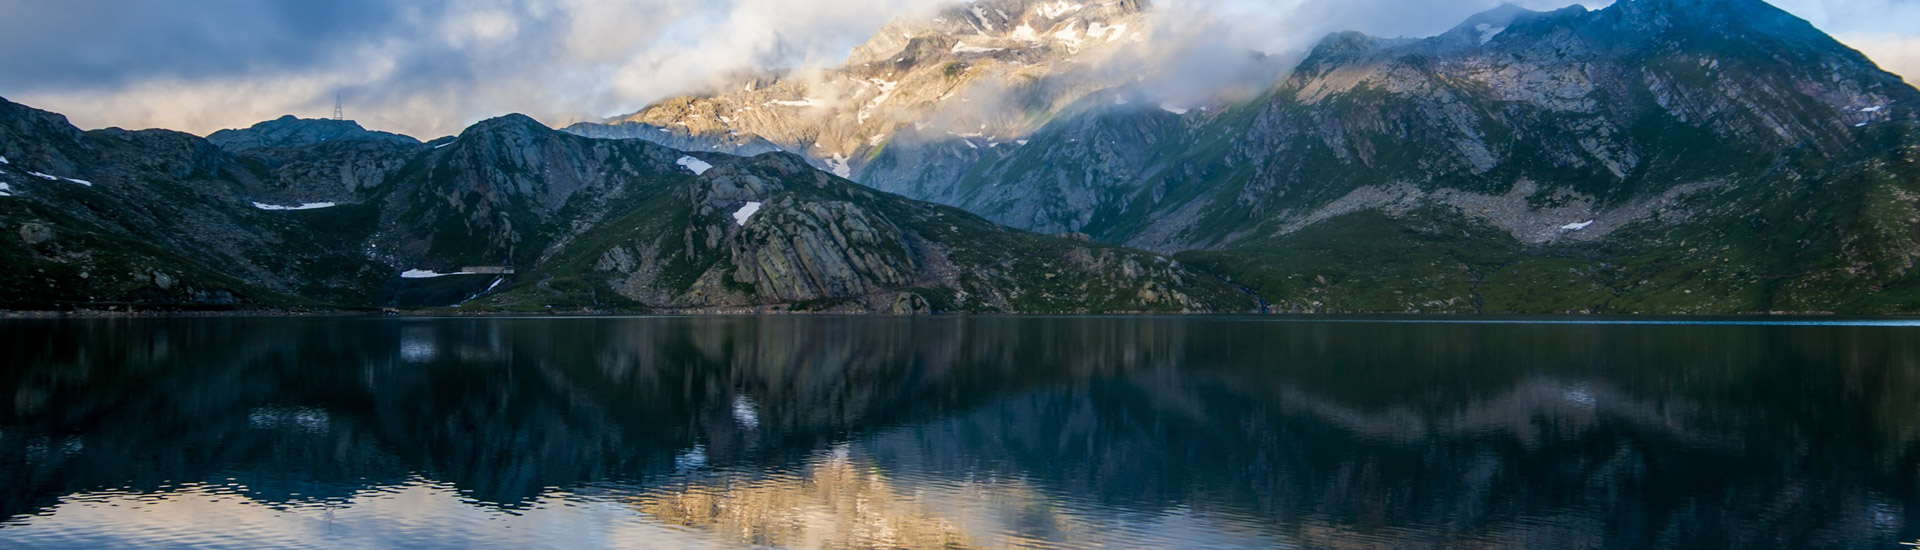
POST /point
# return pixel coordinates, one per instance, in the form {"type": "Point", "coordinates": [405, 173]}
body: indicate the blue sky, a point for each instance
{"type": "Point", "coordinates": [430, 67]}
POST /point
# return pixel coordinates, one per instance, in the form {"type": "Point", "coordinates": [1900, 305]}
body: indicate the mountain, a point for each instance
{"type": "Point", "coordinates": [511, 215]}
{"type": "Point", "coordinates": [112, 217]}
{"type": "Point", "coordinates": [1655, 156]}
{"type": "Point", "coordinates": [288, 131]}
{"type": "Point", "coordinates": [919, 103]}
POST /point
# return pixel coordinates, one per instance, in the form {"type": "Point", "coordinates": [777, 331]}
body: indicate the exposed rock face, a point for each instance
{"type": "Point", "coordinates": [336, 172]}
{"type": "Point", "coordinates": [794, 252]}
{"type": "Point", "coordinates": [34, 233]}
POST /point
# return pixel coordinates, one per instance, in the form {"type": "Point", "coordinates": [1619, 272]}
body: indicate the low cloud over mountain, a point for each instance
{"type": "Point", "coordinates": [430, 68]}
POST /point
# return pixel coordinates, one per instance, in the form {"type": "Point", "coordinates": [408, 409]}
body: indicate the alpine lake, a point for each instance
{"type": "Point", "coordinates": [959, 432]}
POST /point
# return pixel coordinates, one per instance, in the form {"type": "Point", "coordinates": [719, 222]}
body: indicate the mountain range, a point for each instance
{"type": "Point", "coordinates": [1654, 156]}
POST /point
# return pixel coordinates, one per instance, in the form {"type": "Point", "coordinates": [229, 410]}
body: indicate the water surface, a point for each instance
{"type": "Point", "coordinates": [956, 432]}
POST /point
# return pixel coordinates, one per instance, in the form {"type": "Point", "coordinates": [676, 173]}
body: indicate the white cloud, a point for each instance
{"type": "Point", "coordinates": [439, 70]}
{"type": "Point", "coordinates": [430, 68]}
{"type": "Point", "coordinates": [473, 29]}
{"type": "Point", "coordinates": [1897, 54]}
{"type": "Point", "coordinates": [1858, 17]}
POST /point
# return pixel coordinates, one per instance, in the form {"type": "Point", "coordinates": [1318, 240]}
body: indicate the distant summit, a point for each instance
{"type": "Point", "coordinates": [291, 131]}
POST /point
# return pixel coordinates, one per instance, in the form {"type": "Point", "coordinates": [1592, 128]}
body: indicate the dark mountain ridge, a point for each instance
{"type": "Point", "coordinates": [290, 131]}
{"type": "Point", "coordinates": [511, 215]}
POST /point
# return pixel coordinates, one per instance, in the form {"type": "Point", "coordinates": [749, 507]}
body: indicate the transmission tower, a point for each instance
{"type": "Point", "coordinates": [338, 114]}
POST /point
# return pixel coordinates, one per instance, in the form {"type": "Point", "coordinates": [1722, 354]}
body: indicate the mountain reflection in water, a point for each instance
{"type": "Point", "coordinates": [954, 432]}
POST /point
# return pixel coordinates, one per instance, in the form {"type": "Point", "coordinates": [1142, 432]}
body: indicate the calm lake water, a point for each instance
{"type": "Point", "coordinates": [955, 432]}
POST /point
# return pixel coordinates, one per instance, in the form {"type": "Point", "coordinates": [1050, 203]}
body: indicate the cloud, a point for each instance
{"type": "Point", "coordinates": [431, 67]}
{"type": "Point", "coordinates": [426, 68]}
{"type": "Point", "coordinates": [1856, 17]}
{"type": "Point", "coordinates": [1203, 46]}
{"type": "Point", "coordinates": [1897, 54]}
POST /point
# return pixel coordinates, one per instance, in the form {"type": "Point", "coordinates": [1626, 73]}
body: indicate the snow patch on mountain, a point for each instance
{"type": "Point", "coordinates": [808, 102]}
{"type": "Point", "coordinates": [1056, 10]}
{"type": "Point", "coordinates": [477, 295]}
{"type": "Point", "coordinates": [697, 166]}
{"type": "Point", "coordinates": [1071, 37]}
{"type": "Point", "coordinates": [964, 48]}
{"type": "Point", "coordinates": [887, 88]}
{"type": "Point", "coordinates": [1025, 33]}
{"type": "Point", "coordinates": [838, 164]}
{"type": "Point", "coordinates": [745, 212]}
{"type": "Point", "coordinates": [428, 274]}
{"type": "Point", "coordinates": [301, 206]}
{"type": "Point", "coordinates": [50, 177]}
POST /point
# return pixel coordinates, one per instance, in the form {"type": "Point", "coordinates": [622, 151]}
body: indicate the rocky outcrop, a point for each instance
{"type": "Point", "coordinates": [793, 252]}
{"type": "Point", "coordinates": [335, 172]}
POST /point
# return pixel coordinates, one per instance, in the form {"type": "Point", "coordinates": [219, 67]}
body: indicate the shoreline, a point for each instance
{"type": "Point", "coordinates": [1565, 317]}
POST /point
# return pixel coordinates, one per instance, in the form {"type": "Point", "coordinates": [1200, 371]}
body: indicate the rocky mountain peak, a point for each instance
{"type": "Point", "coordinates": [27, 133]}
{"type": "Point", "coordinates": [1730, 19]}
{"type": "Point", "coordinates": [1483, 27]}
{"type": "Point", "coordinates": [1006, 25]}
{"type": "Point", "coordinates": [946, 87]}
{"type": "Point", "coordinates": [291, 131]}
{"type": "Point", "coordinates": [515, 123]}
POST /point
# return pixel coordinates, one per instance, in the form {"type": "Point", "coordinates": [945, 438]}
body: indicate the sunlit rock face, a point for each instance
{"type": "Point", "coordinates": [923, 99]}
